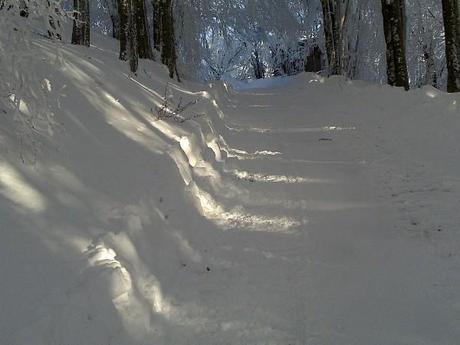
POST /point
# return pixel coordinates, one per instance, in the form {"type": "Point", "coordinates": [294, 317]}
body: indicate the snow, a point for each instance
{"type": "Point", "coordinates": [240, 85]}
{"type": "Point", "coordinates": [302, 211]}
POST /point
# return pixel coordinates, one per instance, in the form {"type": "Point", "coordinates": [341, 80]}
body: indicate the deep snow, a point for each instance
{"type": "Point", "coordinates": [297, 211]}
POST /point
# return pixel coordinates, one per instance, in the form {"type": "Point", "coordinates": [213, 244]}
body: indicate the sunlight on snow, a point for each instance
{"type": "Point", "coordinates": [185, 247]}
{"type": "Point", "coordinates": [431, 93]}
{"type": "Point", "coordinates": [241, 154]}
{"type": "Point", "coordinates": [166, 129]}
{"type": "Point", "coordinates": [15, 188]}
{"type": "Point", "coordinates": [296, 130]}
{"type": "Point", "coordinates": [259, 177]}
{"type": "Point", "coordinates": [136, 293]}
{"type": "Point", "coordinates": [146, 283]}
{"type": "Point", "coordinates": [316, 79]}
{"type": "Point", "coordinates": [238, 218]}
{"type": "Point", "coordinates": [47, 85]}
{"type": "Point", "coordinates": [211, 209]}
{"type": "Point", "coordinates": [188, 147]}
{"type": "Point", "coordinates": [216, 212]}
{"type": "Point", "coordinates": [213, 143]}
{"type": "Point", "coordinates": [119, 117]}
{"type": "Point", "coordinates": [66, 178]}
{"type": "Point", "coordinates": [184, 169]}
{"type": "Point", "coordinates": [149, 90]}
{"type": "Point", "coordinates": [132, 312]}
{"type": "Point", "coordinates": [21, 105]}
{"type": "Point", "coordinates": [189, 161]}
{"type": "Point", "coordinates": [218, 110]}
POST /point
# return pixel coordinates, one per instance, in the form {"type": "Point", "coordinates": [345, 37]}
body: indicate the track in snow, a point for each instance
{"type": "Point", "coordinates": [268, 228]}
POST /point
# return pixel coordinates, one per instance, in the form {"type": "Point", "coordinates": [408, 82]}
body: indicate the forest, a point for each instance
{"type": "Point", "coordinates": [229, 172]}
{"type": "Point", "coordinates": [404, 44]}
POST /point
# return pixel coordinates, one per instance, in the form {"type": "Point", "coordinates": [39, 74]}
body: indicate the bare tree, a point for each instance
{"type": "Point", "coordinates": [143, 43]}
{"type": "Point", "coordinates": [157, 25]}
{"type": "Point", "coordinates": [314, 60]}
{"type": "Point", "coordinates": [168, 39]}
{"type": "Point", "coordinates": [128, 34]}
{"type": "Point", "coordinates": [335, 18]}
{"type": "Point", "coordinates": [450, 9]}
{"type": "Point", "coordinates": [112, 7]}
{"type": "Point", "coordinates": [394, 24]}
{"type": "Point", "coordinates": [257, 64]}
{"type": "Point", "coordinates": [81, 23]}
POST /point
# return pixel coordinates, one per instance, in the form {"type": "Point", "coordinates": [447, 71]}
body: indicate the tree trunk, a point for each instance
{"type": "Point", "coordinates": [123, 15]}
{"type": "Point", "coordinates": [157, 25]}
{"type": "Point", "coordinates": [143, 44]}
{"type": "Point", "coordinates": [81, 23]}
{"type": "Point", "coordinates": [335, 19]}
{"type": "Point", "coordinates": [257, 65]}
{"type": "Point", "coordinates": [168, 47]}
{"type": "Point", "coordinates": [112, 6]}
{"type": "Point", "coordinates": [313, 62]}
{"type": "Point", "coordinates": [393, 12]}
{"type": "Point", "coordinates": [128, 34]}
{"type": "Point", "coordinates": [331, 35]}
{"type": "Point", "coordinates": [450, 9]}
{"type": "Point", "coordinates": [133, 39]}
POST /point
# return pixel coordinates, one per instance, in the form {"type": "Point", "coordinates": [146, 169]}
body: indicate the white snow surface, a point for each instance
{"type": "Point", "coordinates": [310, 211]}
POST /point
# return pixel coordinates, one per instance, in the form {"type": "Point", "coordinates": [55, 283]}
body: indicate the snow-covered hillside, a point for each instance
{"type": "Point", "coordinates": [303, 211]}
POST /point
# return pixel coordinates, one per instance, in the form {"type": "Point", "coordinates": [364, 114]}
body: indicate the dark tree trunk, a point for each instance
{"type": "Point", "coordinates": [81, 23]}
{"type": "Point", "coordinates": [128, 34]}
{"type": "Point", "coordinates": [168, 47]}
{"type": "Point", "coordinates": [123, 15]}
{"type": "Point", "coordinates": [335, 18]}
{"type": "Point", "coordinates": [143, 44]}
{"type": "Point", "coordinates": [112, 6]}
{"type": "Point", "coordinates": [280, 60]}
{"type": "Point", "coordinates": [133, 48]}
{"type": "Point", "coordinates": [313, 62]}
{"type": "Point", "coordinates": [157, 42]}
{"type": "Point", "coordinates": [257, 65]}
{"type": "Point", "coordinates": [332, 34]}
{"type": "Point", "coordinates": [394, 24]}
{"type": "Point", "coordinates": [450, 9]}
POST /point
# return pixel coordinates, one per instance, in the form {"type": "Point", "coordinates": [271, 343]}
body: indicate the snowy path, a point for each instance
{"type": "Point", "coordinates": [344, 276]}
{"type": "Point", "coordinates": [265, 222]}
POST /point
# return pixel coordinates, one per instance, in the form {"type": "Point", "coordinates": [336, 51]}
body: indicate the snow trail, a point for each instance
{"type": "Point", "coordinates": [260, 223]}
{"type": "Point", "coordinates": [345, 277]}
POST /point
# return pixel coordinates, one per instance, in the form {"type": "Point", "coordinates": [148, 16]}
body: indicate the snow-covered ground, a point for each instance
{"type": "Point", "coordinates": [306, 211]}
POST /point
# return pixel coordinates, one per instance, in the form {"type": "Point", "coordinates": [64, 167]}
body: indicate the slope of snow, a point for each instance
{"type": "Point", "coordinates": [308, 211]}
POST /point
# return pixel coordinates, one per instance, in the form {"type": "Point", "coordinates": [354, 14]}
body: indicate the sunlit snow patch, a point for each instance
{"type": "Point", "coordinates": [238, 218]}
{"type": "Point", "coordinates": [258, 177]}
{"type": "Point", "coordinates": [16, 189]}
